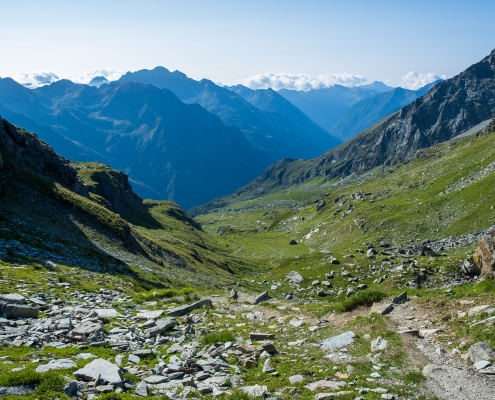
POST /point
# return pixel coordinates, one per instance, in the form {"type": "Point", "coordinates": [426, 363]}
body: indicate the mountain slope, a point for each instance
{"type": "Point", "coordinates": [277, 106]}
{"type": "Point", "coordinates": [367, 112]}
{"type": "Point", "coordinates": [447, 110]}
{"type": "Point", "coordinates": [326, 106]}
{"type": "Point", "coordinates": [183, 152]}
{"type": "Point", "coordinates": [48, 212]}
{"type": "Point", "coordinates": [276, 136]}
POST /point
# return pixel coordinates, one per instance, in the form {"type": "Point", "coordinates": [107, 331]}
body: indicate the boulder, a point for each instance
{"type": "Point", "coordinates": [480, 351]}
{"type": "Point", "coordinates": [338, 341]}
{"type": "Point", "coordinates": [261, 297]}
{"type": "Point", "coordinates": [484, 256]}
{"type": "Point", "coordinates": [21, 311]}
{"type": "Point", "coordinates": [294, 277]}
{"type": "Point", "coordinates": [161, 326]}
{"type": "Point", "coordinates": [183, 310]}
{"type": "Point", "coordinates": [102, 369]}
{"type": "Point", "coordinates": [255, 391]}
{"type": "Point", "coordinates": [56, 364]}
{"type": "Point", "coordinates": [149, 314]}
{"type": "Point", "coordinates": [12, 298]}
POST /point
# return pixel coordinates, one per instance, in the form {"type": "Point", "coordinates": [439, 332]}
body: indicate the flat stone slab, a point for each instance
{"type": "Point", "coordinates": [379, 344]}
{"type": "Point", "coordinates": [12, 298]}
{"type": "Point", "coordinates": [107, 313]}
{"type": "Point", "coordinates": [255, 391]}
{"type": "Point", "coordinates": [155, 379]}
{"type": "Point", "coordinates": [478, 309]}
{"type": "Point", "coordinates": [103, 369]}
{"type": "Point", "coordinates": [324, 384]}
{"type": "Point", "coordinates": [85, 356]}
{"type": "Point", "coordinates": [86, 328]}
{"type": "Point", "coordinates": [338, 341]}
{"type": "Point", "coordinates": [260, 336]}
{"type": "Point", "coordinates": [21, 311]}
{"type": "Point", "coordinates": [183, 310]}
{"type": "Point", "coordinates": [149, 314]}
{"type": "Point", "coordinates": [56, 364]}
{"type": "Point", "coordinates": [333, 395]}
{"type": "Point", "coordinates": [480, 351]}
{"type": "Point", "coordinates": [261, 297]}
{"type": "Point", "coordinates": [482, 364]}
{"type": "Point", "coordinates": [161, 326]}
{"type": "Point", "coordinates": [16, 390]}
{"type": "Point", "coordinates": [296, 379]}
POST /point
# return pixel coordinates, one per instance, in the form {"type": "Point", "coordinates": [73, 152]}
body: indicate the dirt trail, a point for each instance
{"type": "Point", "coordinates": [448, 376]}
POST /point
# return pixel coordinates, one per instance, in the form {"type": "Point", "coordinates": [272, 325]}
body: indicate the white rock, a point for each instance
{"type": "Point", "coordinates": [56, 364]}
{"type": "Point", "coordinates": [102, 368]}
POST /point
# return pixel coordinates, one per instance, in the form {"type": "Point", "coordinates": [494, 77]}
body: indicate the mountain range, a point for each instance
{"type": "Point", "coordinates": [270, 128]}
{"type": "Point", "coordinates": [369, 111]}
{"type": "Point", "coordinates": [447, 110]}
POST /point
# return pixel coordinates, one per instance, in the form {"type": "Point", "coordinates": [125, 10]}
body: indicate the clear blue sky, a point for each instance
{"type": "Point", "coordinates": [228, 41]}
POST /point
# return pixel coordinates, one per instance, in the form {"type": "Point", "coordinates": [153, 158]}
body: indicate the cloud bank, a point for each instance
{"type": "Point", "coordinates": [414, 80]}
{"type": "Point", "coordinates": [110, 74]}
{"type": "Point", "coordinates": [303, 82]}
{"type": "Point", "coordinates": [36, 79]}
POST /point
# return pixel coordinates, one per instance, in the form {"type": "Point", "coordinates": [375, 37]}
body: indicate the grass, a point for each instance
{"type": "Point", "coordinates": [217, 337]}
{"type": "Point", "coordinates": [363, 298]}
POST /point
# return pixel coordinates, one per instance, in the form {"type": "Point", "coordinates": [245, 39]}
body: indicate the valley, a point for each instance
{"type": "Point", "coordinates": [163, 237]}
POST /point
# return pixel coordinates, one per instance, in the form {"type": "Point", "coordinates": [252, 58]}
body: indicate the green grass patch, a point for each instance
{"type": "Point", "coordinates": [364, 298]}
{"type": "Point", "coordinates": [217, 337]}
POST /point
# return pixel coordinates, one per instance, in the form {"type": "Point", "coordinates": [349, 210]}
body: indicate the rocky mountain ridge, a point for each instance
{"type": "Point", "coordinates": [447, 110]}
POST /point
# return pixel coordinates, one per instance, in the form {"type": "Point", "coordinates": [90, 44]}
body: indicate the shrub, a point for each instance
{"type": "Point", "coordinates": [363, 298]}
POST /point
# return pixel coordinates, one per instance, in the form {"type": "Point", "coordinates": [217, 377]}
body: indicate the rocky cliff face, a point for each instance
{"type": "Point", "coordinates": [447, 110]}
{"type": "Point", "coordinates": [26, 151]}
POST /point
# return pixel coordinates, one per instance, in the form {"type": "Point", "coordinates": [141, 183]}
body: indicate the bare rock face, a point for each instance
{"type": "Point", "coordinates": [485, 256]}
{"type": "Point", "coordinates": [26, 151]}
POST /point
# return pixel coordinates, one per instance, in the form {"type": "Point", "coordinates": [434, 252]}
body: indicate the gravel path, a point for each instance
{"type": "Point", "coordinates": [448, 376]}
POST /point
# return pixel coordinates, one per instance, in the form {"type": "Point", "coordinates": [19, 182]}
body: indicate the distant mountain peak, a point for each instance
{"type": "Point", "coordinates": [378, 86]}
{"type": "Point", "coordinates": [98, 81]}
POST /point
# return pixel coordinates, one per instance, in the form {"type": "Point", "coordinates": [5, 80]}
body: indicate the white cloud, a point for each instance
{"type": "Point", "coordinates": [415, 80]}
{"type": "Point", "coordinates": [36, 79]}
{"type": "Point", "coordinates": [110, 74]}
{"type": "Point", "coordinates": [304, 82]}
{"type": "Point", "coordinates": [33, 80]}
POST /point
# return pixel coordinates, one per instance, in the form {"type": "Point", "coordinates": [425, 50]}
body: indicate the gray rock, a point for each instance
{"type": "Point", "coordinates": [190, 307]}
{"type": "Point", "coordinates": [72, 389]}
{"type": "Point", "coordinates": [480, 351]}
{"type": "Point", "coordinates": [481, 364]}
{"type": "Point", "coordinates": [379, 344]}
{"type": "Point", "coordinates": [155, 379]}
{"type": "Point", "coordinates": [161, 326]}
{"type": "Point", "coordinates": [294, 277]}
{"type": "Point", "coordinates": [12, 298]}
{"type": "Point", "coordinates": [233, 294]}
{"type": "Point", "coordinates": [400, 298]}
{"type": "Point", "coordinates": [386, 309]}
{"type": "Point", "coordinates": [103, 369]}
{"type": "Point", "coordinates": [16, 390]}
{"type": "Point", "coordinates": [324, 384]}
{"type": "Point", "coordinates": [338, 341]}
{"type": "Point", "coordinates": [149, 314]}
{"type": "Point", "coordinates": [141, 389]}
{"type": "Point", "coordinates": [86, 328]}
{"type": "Point", "coordinates": [56, 364]}
{"type": "Point", "coordinates": [267, 367]}
{"type": "Point", "coordinates": [133, 359]}
{"type": "Point", "coordinates": [255, 391]}
{"type": "Point", "coordinates": [261, 297]}
{"type": "Point", "coordinates": [107, 313]}
{"type": "Point", "coordinates": [260, 336]}
{"type": "Point", "coordinates": [296, 379]}
{"type": "Point", "coordinates": [21, 311]}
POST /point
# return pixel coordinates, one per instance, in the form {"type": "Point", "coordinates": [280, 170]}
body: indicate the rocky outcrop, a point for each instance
{"type": "Point", "coordinates": [485, 255]}
{"type": "Point", "coordinates": [26, 151]}
{"type": "Point", "coordinates": [447, 110]}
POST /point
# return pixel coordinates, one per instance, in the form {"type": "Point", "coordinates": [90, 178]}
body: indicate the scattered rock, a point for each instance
{"type": "Point", "coordinates": [338, 341]}
{"type": "Point", "coordinates": [102, 369]}
{"type": "Point", "coordinates": [190, 307]}
{"type": "Point", "coordinates": [56, 364]}
{"type": "Point", "coordinates": [379, 344]}
{"type": "Point", "coordinates": [480, 351]}
{"type": "Point", "coordinates": [261, 297]}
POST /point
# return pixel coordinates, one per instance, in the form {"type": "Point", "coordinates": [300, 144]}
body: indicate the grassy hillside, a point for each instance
{"type": "Point", "coordinates": [444, 191]}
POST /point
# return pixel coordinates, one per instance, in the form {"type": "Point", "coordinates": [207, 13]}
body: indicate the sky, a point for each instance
{"type": "Point", "coordinates": [296, 44]}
